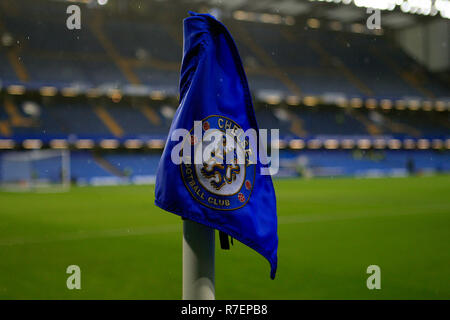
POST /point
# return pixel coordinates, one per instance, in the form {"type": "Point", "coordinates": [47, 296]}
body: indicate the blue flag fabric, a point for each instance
{"type": "Point", "coordinates": [214, 90]}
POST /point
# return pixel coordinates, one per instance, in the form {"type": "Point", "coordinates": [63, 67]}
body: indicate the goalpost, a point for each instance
{"type": "Point", "coordinates": [37, 170]}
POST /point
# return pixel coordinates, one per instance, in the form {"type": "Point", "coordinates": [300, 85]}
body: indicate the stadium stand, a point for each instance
{"type": "Point", "coordinates": [85, 170]}
{"type": "Point", "coordinates": [279, 58]}
{"type": "Point", "coordinates": [357, 163]}
{"type": "Point", "coordinates": [80, 88]}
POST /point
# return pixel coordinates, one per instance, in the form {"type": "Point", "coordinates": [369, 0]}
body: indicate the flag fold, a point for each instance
{"type": "Point", "coordinates": [233, 198]}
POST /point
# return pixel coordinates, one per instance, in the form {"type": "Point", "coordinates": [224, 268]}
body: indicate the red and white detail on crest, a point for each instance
{"type": "Point", "coordinates": [241, 197]}
{"type": "Point", "coordinates": [193, 140]}
{"type": "Point", "coordinates": [206, 125]}
{"type": "Point", "coordinates": [248, 184]}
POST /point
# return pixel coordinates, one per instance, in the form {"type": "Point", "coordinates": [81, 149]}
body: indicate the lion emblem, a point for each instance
{"type": "Point", "coordinates": [213, 180]}
{"type": "Point", "coordinates": [217, 171]}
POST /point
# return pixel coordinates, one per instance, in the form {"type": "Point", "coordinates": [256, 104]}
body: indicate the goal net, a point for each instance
{"type": "Point", "coordinates": [37, 170]}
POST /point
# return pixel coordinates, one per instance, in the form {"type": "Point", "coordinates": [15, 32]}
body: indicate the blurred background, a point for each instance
{"type": "Point", "coordinates": [352, 95]}
{"type": "Point", "coordinates": [348, 100]}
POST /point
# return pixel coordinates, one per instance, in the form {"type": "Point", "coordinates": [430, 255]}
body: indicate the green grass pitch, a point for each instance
{"type": "Point", "coordinates": [330, 231]}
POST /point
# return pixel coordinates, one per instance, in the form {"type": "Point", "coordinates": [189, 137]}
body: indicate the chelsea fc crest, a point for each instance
{"type": "Point", "coordinates": [224, 178]}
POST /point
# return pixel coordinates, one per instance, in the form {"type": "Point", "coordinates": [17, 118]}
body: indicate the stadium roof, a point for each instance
{"type": "Point", "coordinates": [395, 13]}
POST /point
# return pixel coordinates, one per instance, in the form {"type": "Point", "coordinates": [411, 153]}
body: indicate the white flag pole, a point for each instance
{"type": "Point", "coordinates": [198, 261]}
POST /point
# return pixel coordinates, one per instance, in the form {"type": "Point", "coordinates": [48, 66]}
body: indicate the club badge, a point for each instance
{"type": "Point", "coordinates": [221, 181]}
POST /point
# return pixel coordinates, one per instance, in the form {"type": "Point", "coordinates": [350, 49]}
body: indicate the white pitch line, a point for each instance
{"type": "Point", "coordinates": [370, 213]}
{"type": "Point", "coordinates": [82, 235]}
{"type": "Point", "coordinates": [169, 228]}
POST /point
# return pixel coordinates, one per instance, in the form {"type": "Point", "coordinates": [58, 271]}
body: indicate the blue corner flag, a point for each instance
{"type": "Point", "coordinates": [235, 198]}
